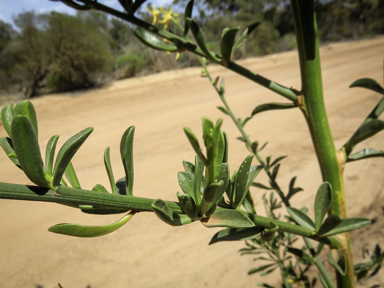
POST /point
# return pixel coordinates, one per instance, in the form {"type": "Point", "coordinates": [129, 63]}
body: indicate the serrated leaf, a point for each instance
{"type": "Point", "coordinates": [7, 145]}
{"type": "Point", "coordinates": [187, 14]}
{"type": "Point", "coordinates": [6, 115]}
{"type": "Point", "coordinates": [349, 224]}
{"type": "Point", "coordinates": [198, 34]}
{"type": "Point", "coordinates": [365, 154]}
{"type": "Point", "coordinates": [244, 35]}
{"type": "Point", "coordinates": [50, 153]}
{"type": "Point", "coordinates": [89, 231]}
{"type": "Point", "coordinates": [153, 42]}
{"type": "Point", "coordinates": [233, 234]}
{"type": "Point", "coordinates": [368, 84]}
{"type": "Point", "coordinates": [27, 150]}
{"type": "Point", "coordinates": [272, 106]}
{"type": "Point", "coordinates": [340, 265]}
{"type": "Point", "coordinates": [301, 218]}
{"type": "Point", "coordinates": [188, 206]}
{"type": "Point", "coordinates": [365, 131]}
{"type": "Point", "coordinates": [71, 176]}
{"type": "Point", "coordinates": [195, 145]}
{"type": "Point", "coordinates": [228, 218]}
{"type": "Point", "coordinates": [228, 39]}
{"type": "Point", "coordinates": [260, 268]}
{"type": "Point", "coordinates": [26, 109]}
{"type": "Point", "coordinates": [165, 214]}
{"type": "Point", "coordinates": [66, 153]}
{"type": "Point", "coordinates": [322, 203]}
{"type": "Point", "coordinates": [242, 181]}
{"type": "Point", "coordinates": [126, 153]}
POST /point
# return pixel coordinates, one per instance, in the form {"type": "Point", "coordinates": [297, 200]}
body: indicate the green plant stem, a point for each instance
{"type": "Point", "coordinates": [184, 44]}
{"type": "Point", "coordinates": [283, 272]}
{"type": "Point", "coordinates": [317, 120]}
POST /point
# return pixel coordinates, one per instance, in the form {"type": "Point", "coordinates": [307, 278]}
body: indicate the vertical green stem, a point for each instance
{"type": "Point", "coordinates": [317, 120]}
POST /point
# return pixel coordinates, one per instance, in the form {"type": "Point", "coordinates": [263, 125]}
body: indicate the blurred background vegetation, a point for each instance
{"type": "Point", "coordinates": [55, 52]}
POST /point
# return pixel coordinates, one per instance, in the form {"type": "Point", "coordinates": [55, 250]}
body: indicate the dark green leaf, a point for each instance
{"type": "Point", "coordinates": [301, 218]}
{"type": "Point", "coordinates": [195, 145]}
{"type": "Point", "coordinates": [227, 44]}
{"type": "Point", "coordinates": [274, 172]}
{"type": "Point", "coordinates": [165, 214]}
{"type": "Point", "coordinates": [153, 42]}
{"type": "Point", "coordinates": [188, 206]}
{"type": "Point", "coordinates": [198, 181]}
{"type": "Point", "coordinates": [226, 148]}
{"type": "Point", "coordinates": [244, 35]}
{"type": "Point", "coordinates": [222, 109]}
{"type": "Point", "coordinates": [365, 131]}
{"type": "Point", "coordinates": [187, 14]}
{"type": "Point", "coordinates": [89, 231]}
{"type": "Point", "coordinates": [6, 115]}
{"type": "Point", "coordinates": [292, 189]}
{"type": "Point", "coordinates": [300, 254]}
{"type": "Point", "coordinates": [368, 84]}
{"type": "Point", "coordinates": [50, 153]}
{"type": "Point", "coordinates": [340, 265]}
{"type": "Point", "coordinates": [277, 160]}
{"type": "Point", "coordinates": [7, 145]}
{"type": "Point", "coordinates": [272, 106]}
{"type": "Point", "coordinates": [365, 154]}
{"type": "Point", "coordinates": [198, 34]}
{"type": "Point", "coordinates": [72, 177]}
{"type": "Point", "coordinates": [265, 285]}
{"type": "Point", "coordinates": [349, 224]}
{"type": "Point", "coordinates": [108, 167]}
{"type": "Point", "coordinates": [331, 222]}
{"type": "Point", "coordinates": [186, 183]}
{"type": "Point", "coordinates": [126, 152]}
{"type": "Point", "coordinates": [262, 186]}
{"type": "Point", "coordinates": [322, 203]}
{"type": "Point", "coordinates": [189, 167]}
{"type": "Point", "coordinates": [228, 218]}
{"type": "Point", "coordinates": [26, 109]}
{"type": "Point", "coordinates": [242, 181]}
{"type": "Point", "coordinates": [27, 150]}
{"type": "Point", "coordinates": [67, 151]}
{"type": "Point", "coordinates": [268, 271]}
{"type": "Point", "coordinates": [100, 188]}
{"type": "Point", "coordinates": [211, 193]}
{"type": "Point", "coordinates": [233, 234]}
{"type": "Point", "coordinates": [102, 211]}
{"type": "Point", "coordinates": [260, 268]}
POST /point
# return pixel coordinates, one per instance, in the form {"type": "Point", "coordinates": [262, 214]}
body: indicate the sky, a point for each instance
{"type": "Point", "coordinates": [9, 8]}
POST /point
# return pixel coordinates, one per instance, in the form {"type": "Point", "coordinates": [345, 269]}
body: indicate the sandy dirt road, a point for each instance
{"type": "Point", "coordinates": [146, 252]}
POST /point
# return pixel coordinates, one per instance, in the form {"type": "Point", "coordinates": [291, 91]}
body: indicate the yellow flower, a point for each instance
{"type": "Point", "coordinates": [155, 13]}
{"type": "Point", "coordinates": [177, 53]}
{"type": "Point", "coordinates": [168, 17]}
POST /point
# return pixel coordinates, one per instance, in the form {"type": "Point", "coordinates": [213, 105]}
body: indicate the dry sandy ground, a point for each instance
{"type": "Point", "coordinates": [146, 252]}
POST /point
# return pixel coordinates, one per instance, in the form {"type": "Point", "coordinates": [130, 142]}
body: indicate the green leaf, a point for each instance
{"type": "Point", "coordinates": [211, 193]}
{"type": "Point", "coordinates": [195, 145]}
{"type": "Point", "coordinates": [90, 231]}
{"type": "Point", "coordinates": [189, 167]}
{"type": "Point", "coordinates": [188, 206]}
{"type": "Point", "coordinates": [274, 172]}
{"type": "Point", "coordinates": [198, 34]}
{"type": "Point", "coordinates": [6, 115]}
{"type": "Point", "coordinates": [277, 160]}
{"type": "Point", "coordinates": [71, 176]}
{"type": "Point", "coordinates": [301, 218]}
{"type": "Point", "coordinates": [222, 109]}
{"type": "Point", "coordinates": [349, 224]}
{"type": "Point", "coordinates": [260, 268]}
{"type": "Point", "coordinates": [67, 151]}
{"type": "Point", "coordinates": [102, 211]}
{"type": "Point", "coordinates": [331, 222]}
{"type": "Point", "coordinates": [365, 154]}
{"type": "Point", "coordinates": [50, 153]}
{"type": "Point", "coordinates": [341, 264]}
{"type": "Point", "coordinates": [165, 214]}
{"type": "Point", "coordinates": [365, 131]}
{"type": "Point", "coordinates": [27, 150]}
{"type": "Point", "coordinates": [228, 218]}
{"type": "Point", "coordinates": [261, 186]}
{"type": "Point", "coordinates": [233, 234]}
{"type": "Point", "coordinates": [153, 42]}
{"type": "Point", "coordinates": [227, 45]}
{"type": "Point", "coordinates": [26, 109]}
{"type": "Point", "coordinates": [99, 188]}
{"type": "Point", "coordinates": [272, 106]}
{"type": "Point", "coordinates": [368, 84]}
{"type": "Point", "coordinates": [186, 183]}
{"type": "Point", "coordinates": [7, 145]}
{"type": "Point", "coordinates": [300, 254]}
{"type": "Point", "coordinates": [244, 35]}
{"type": "Point", "coordinates": [126, 152]}
{"type": "Point", "coordinates": [187, 14]}
{"type": "Point", "coordinates": [226, 148]}
{"type": "Point", "coordinates": [242, 183]}
{"type": "Point", "coordinates": [198, 181]}
{"type": "Point", "coordinates": [292, 189]}
{"type": "Point", "coordinates": [322, 203]}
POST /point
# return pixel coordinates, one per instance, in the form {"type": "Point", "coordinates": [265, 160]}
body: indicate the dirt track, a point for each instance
{"type": "Point", "coordinates": [146, 252]}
